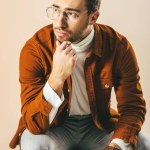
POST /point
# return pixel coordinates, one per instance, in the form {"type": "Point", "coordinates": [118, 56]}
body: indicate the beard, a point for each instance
{"type": "Point", "coordinates": [73, 37]}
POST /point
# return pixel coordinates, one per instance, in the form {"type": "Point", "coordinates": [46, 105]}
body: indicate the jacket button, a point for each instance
{"type": "Point", "coordinates": [106, 86]}
{"type": "Point", "coordinates": [68, 90]}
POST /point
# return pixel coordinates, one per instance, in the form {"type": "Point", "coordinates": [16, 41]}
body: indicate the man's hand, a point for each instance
{"type": "Point", "coordinates": [111, 148]}
{"type": "Point", "coordinates": [64, 60]}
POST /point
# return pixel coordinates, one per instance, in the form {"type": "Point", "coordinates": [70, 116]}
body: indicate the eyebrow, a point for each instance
{"type": "Point", "coordinates": [71, 9]}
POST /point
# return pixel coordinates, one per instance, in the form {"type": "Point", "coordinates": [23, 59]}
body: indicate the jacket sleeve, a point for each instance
{"type": "Point", "coordinates": [35, 109]}
{"type": "Point", "coordinates": [131, 104]}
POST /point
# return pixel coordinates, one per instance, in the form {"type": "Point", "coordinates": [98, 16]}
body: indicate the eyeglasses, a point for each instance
{"type": "Point", "coordinates": [70, 16]}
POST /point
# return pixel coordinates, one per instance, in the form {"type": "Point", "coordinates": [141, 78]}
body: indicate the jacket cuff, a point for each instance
{"type": "Point", "coordinates": [126, 133]}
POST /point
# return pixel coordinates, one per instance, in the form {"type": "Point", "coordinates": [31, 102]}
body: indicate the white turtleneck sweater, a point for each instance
{"type": "Point", "coordinates": [79, 100]}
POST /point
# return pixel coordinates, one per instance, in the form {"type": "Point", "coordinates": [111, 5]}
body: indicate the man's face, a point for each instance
{"type": "Point", "coordinates": [66, 30]}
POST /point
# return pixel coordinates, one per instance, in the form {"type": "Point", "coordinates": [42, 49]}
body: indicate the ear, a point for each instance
{"type": "Point", "coordinates": [93, 17]}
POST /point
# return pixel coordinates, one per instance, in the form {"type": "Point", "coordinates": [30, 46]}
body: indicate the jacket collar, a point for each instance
{"type": "Point", "coordinates": [97, 41]}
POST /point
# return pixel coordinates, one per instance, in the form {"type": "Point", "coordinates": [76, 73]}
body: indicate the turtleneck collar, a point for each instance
{"type": "Point", "coordinates": [85, 43]}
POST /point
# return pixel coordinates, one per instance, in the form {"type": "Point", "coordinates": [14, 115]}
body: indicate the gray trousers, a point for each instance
{"type": "Point", "coordinates": [77, 133]}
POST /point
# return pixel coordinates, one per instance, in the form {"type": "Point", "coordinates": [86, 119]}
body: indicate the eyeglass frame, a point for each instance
{"type": "Point", "coordinates": [64, 12]}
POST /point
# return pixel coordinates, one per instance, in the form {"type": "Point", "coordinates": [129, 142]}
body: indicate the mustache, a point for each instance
{"type": "Point", "coordinates": [61, 30]}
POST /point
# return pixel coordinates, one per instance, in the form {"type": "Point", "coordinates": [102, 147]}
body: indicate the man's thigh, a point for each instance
{"type": "Point", "coordinates": [41, 142]}
{"type": "Point", "coordinates": [96, 139]}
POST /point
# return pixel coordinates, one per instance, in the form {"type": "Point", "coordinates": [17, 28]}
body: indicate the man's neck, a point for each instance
{"type": "Point", "coordinates": [87, 32]}
{"type": "Point", "coordinates": [85, 43]}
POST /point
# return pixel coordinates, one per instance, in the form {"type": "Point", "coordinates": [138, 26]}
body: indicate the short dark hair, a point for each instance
{"type": "Point", "coordinates": [93, 5]}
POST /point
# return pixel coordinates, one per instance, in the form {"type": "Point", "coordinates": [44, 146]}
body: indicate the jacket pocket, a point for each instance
{"type": "Point", "coordinates": [103, 92]}
{"type": "Point", "coordinates": [106, 83]}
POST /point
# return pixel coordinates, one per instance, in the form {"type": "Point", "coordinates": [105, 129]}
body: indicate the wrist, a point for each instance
{"type": "Point", "coordinates": [56, 76]}
{"type": "Point", "coordinates": [56, 84]}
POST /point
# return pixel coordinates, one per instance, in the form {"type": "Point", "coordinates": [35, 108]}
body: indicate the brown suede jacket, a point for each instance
{"type": "Point", "coordinates": [112, 63]}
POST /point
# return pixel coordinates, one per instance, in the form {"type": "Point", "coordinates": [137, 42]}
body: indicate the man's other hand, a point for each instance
{"type": "Point", "coordinates": [111, 148]}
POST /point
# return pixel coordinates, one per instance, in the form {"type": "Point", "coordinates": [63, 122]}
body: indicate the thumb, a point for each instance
{"type": "Point", "coordinates": [58, 43]}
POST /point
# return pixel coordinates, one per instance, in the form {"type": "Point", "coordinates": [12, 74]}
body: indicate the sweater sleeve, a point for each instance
{"type": "Point", "coordinates": [122, 144]}
{"type": "Point", "coordinates": [53, 99]}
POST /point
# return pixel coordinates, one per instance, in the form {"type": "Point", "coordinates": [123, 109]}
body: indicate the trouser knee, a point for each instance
{"type": "Point", "coordinates": [34, 142]}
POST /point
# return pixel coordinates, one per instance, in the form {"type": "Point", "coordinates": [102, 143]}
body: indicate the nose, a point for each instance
{"type": "Point", "coordinates": [62, 22]}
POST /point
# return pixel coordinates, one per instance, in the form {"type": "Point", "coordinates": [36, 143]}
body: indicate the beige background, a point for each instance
{"type": "Point", "coordinates": [20, 19]}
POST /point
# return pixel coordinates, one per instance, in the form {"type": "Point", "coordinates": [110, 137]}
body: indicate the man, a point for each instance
{"type": "Point", "coordinates": [67, 71]}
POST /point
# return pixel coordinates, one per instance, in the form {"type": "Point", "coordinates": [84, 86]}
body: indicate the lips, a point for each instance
{"type": "Point", "coordinates": [61, 33]}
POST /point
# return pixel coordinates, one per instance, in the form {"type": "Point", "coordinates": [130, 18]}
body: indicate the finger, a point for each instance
{"type": "Point", "coordinates": [58, 43]}
{"type": "Point", "coordinates": [64, 45]}
{"type": "Point", "coordinates": [75, 58]}
{"type": "Point", "coordinates": [68, 49]}
{"type": "Point", "coordinates": [72, 52]}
